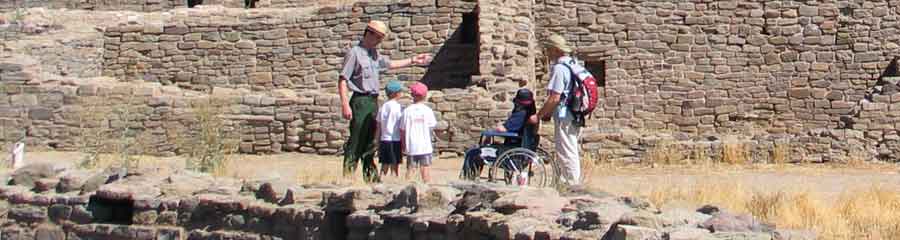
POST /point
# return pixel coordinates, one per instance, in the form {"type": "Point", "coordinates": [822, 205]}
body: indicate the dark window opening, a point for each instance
{"type": "Point", "coordinates": [193, 3]}
{"type": "Point", "coordinates": [846, 11]}
{"type": "Point", "coordinates": [113, 211]}
{"type": "Point", "coordinates": [457, 60]}
{"type": "Point", "coordinates": [469, 28]}
{"type": "Point", "coordinates": [250, 3]}
{"type": "Point", "coordinates": [598, 69]}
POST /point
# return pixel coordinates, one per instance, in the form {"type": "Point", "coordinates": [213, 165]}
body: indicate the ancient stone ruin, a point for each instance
{"type": "Point", "coordinates": [48, 202]}
{"type": "Point", "coordinates": [767, 76]}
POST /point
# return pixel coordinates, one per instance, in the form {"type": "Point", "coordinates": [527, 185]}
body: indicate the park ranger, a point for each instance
{"type": "Point", "coordinates": [361, 75]}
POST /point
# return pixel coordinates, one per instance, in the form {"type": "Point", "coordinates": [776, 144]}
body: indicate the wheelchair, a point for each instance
{"type": "Point", "coordinates": [517, 160]}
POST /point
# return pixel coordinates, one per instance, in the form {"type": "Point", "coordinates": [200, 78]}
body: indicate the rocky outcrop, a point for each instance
{"type": "Point", "coordinates": [194, 206]}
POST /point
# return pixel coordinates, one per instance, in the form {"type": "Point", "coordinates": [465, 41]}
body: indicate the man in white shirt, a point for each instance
{"type": "Point", "coordinates": [416, 124]}
{"type": "Point", "coordinates": [566, 134]}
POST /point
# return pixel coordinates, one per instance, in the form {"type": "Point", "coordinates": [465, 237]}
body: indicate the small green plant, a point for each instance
{"type": "Point", "coordinates": [92, 131]}
{"type": "Point", "coordinates": [129, 142]}
{"type": "Point", "coordinates": [209, 143]}
{"type": "Point", "coordinates": [109, 129]}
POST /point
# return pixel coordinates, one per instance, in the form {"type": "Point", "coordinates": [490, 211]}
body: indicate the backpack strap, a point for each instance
{"type": "Point", "coordinates": [572, 76]}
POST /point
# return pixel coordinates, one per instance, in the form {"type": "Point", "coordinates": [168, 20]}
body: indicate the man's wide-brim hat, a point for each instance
{"type": "Point", "coordinates": [558, 42]}
{"type": "Point", "coordinates": [378, 26]}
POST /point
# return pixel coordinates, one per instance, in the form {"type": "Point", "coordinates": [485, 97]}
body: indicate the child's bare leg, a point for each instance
{"type": "Point", "coordinates": [425, 177]}
{"type": "Point", "coordinates": [384, 169]}
{"type": "Point", "coordinates": [396, 169]}
{"type": "Point", "coordinates": [409, 169]}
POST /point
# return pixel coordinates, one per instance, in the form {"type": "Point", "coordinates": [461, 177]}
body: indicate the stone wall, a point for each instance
{"type": "Point", "coordinates": [280, 49]}
{"type": "Point", "coordinates": [800, 72]}
{"type": "Point", "coordinates": [127, 5]}
{"type": "Point", "coordinates": [748, 67]}
{"type": "Point", "coordinates": [147, 5]}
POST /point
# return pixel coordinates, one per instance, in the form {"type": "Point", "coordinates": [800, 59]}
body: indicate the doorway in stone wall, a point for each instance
{"type": "Point", "coordinates": [250, 3]}
{"type": "Point", "coordinates": [597, 67]}
{"type": "Point", "coordinates": [457, 60]}
{"type": "Point", "coordinates": [193, 3]}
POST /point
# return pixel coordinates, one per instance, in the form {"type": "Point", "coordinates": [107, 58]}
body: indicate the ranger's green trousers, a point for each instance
{"type": "Point", "coordinates": [362, 136]}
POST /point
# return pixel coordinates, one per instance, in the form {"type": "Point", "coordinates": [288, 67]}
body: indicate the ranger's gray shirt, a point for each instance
{"type": "Point", "coordinates": [362, 69]}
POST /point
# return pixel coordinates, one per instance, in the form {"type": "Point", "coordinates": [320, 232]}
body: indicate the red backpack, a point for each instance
{"type": "Point", "coordinates": [583, 95]}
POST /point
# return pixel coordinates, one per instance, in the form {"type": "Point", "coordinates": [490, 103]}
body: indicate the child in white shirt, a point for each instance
{"type": "Point", "coordinates": [415, 125]}
{"type": "Point", "coordinates": [389, 151]}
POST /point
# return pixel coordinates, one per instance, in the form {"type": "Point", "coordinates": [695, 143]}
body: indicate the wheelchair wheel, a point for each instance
{"type": "Point", "coordinates": [520, 166]}
{"type": "Point", "coordinates": [554, 169]}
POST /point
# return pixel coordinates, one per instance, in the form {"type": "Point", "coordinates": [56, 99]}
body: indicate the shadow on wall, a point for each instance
{"type": "Point", "coordinates": [457, 60]}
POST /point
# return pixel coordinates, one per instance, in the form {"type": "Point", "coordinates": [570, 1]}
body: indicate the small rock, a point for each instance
{"type": "Point", "coordinates": [682, 217]}
{"type": "Point", "coordinates": [708, 210]}
{"type": "Point", "coordinates": [742, 236]}
{"type": "Point", "coordinates": [108, 175]}
{"type": "Point", "coordinates": [353, 200]}
{"type": "Point", "coordinates": [27, 213]}
{"type": "Point", "coordinates": [728, 222]}
{"type": "Point", "coordinates": [601, 216]}
{"type": "Point", "coordinates": [689, 233]}
{"type": "Point", "coordinates": [59, 212]}
{"type": "Point", "coordinates": [71, 181]}
{"type": "Point", "coordinates": [45, 184]}
{"type": "Point", "coordinates": [637, 203]}
{"type": "Point", "coordinates": [642, 218]}
{"type": "Point", "coordinates": [626, 232]}
{"type": "Point", "coordinates": [29, 174]}
{"type": "Point", "coordinates": [794, 235]}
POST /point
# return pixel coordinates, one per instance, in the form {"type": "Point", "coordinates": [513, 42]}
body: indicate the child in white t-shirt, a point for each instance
{"type": "Point", "coordinates": [415, 126]}
{"type": "Point", "coordinates": [389, 152]}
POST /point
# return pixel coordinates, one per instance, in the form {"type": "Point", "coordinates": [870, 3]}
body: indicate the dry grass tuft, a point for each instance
{"type": "Point", "coordinates": [858, 157]}
{"type": "Point", "coordinates": [781, 153]}
{"type": "Point", "coordinates": [667, 153]}
{"type": "Point", "coordinates": [211, 142]}
{"type": "Point", "coordinates": [734, 152]}
{"type": "Point", "coordinates": [590, 163]}
{"type": "Point", "coordinates": [110, 131]}
{"type": "Point", "coordinates": [872, 213]}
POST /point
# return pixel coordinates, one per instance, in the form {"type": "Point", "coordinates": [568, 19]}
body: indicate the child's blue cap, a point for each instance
{"type": "Point", "coordinates": [393, 87]}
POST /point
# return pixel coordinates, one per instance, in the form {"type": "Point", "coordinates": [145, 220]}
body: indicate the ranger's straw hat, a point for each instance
{"type": "Point", "coordinates": [378, 26]}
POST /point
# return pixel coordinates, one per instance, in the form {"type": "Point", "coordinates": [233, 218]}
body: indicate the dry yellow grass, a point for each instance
{"type": "Point", "coordinates": [735, 153]}
{"type": "Point", "coordinates": [781, 153]}
{"type": "Point", "coordinates": [872, 213]}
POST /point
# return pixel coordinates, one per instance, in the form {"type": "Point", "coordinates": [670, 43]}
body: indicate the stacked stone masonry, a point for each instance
{"type": "Point", "coordinates": [147, 5]}
{"type": "Point", "coordinates": [150, 5]}
{"type": "Point", "coordinates": [771, 72]}
{"type": "Point", "coordinates": [48, 202]}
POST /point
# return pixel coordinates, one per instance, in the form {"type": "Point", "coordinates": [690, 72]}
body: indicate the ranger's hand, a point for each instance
{"type": "Point", "coordinates": [422, 59]}
{"type": "Point", "coordinates": [345, 109]}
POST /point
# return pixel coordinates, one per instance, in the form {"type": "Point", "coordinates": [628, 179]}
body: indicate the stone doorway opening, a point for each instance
{"type": "Point", "coordinates": [114, 211]}
{"type": "Point", "coordinates": [457, 59]}
{"type": "Point", "coordinates": [194, 3]}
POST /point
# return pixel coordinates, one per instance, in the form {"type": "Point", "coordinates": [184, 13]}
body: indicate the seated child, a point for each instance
{"type": "Point", "coordinates": [523, 108]}
{"type": "Point", "coordinates": [388, 118]}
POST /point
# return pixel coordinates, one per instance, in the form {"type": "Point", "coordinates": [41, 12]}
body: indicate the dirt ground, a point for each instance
{"type": "Point", "coordinates": [826, 180]}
